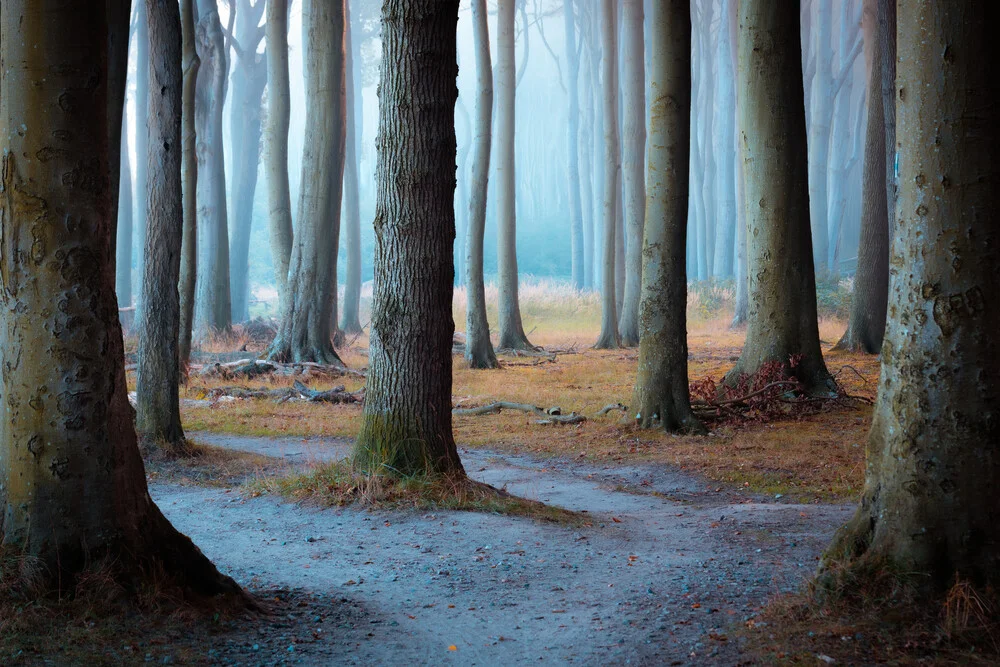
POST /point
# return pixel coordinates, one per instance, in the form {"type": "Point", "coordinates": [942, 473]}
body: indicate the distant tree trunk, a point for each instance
{"type": "Point", "coordinates": [406, 428]}
{"type": "Point", "coordinates": [929, 504]}
{"type": "Point", "coordinates": [871, 283]}
{"type": "Point", "coordinates": [306, 329]}
{"type": "Point", "coordinates": [462, 191]}
{"type": "Point", "coordinates": [249, 78]}
{"type": "Point", "coordinates": [887, 36]}
{"type": "Point", "coordinates": [350, 316]}
{"type": "Point", "coordinates": [123, 241]}
{"type": "Point", "coordinates": [158, 416]}
{"type": "Point", "coordinates": [619, 231]}
{"type": "Point", "coordinates": [72, 485]}
{"type": "Point", "coordinates": [661, 388]}
{"type": "Point", "coordinates": [586, 140]}
{"type": "Point", "coordinates": [573, 143]}
{"type": "Point", "coordinates": [782, 325]}
{"type": "Point", "coordinates": [612, 167]}
{"type": "Point", "coordinates": [742, 305]}
{"type": "Point", "coordinates": [725, 147]}
{"type": "Point", "coordinates": [279, 201]}
{"type": "Point", "coordinates": [189, 182]}
{"type": "Point", "coordinates": [706, 126]}
{"type": "Point", "coordinates": [512, 336]}
{"type": "Point", "coordinates": [820, 127]}
{"type": "Point", "coordinates": [141, 147]}
{"type": "Point", "coordinates": [597, 104]}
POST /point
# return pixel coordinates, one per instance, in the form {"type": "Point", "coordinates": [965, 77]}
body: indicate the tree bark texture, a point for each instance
{"type": "Point", "coordinates": [887, 36]}
{"type": "Point", "coordinates": [612, 167]}
{"type": "Point", "coordinates": [573, 145]}
{"type": "Point", "coordinates": [406, 428]}
{"type": "Point", "coordinates": [350, 316]}
{"type": "Point", "coordinates": [190, 64]}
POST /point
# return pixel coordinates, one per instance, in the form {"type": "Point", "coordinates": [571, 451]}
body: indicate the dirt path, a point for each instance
{"type": "Point", "coordinates": [660, 577]}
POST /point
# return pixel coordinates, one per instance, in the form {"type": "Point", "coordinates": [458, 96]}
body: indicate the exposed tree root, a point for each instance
{"type": "Point", "coordinates": [551, 416]}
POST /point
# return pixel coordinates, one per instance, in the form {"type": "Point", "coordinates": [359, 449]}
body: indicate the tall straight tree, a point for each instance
{"type": "Point", "coordinates": [406, 428]}
{"type": "Point", "coordinates": [512, 334]}
{"type": "Point", "coordinates": [306, 329]}
{"type": "Point", "coordinates": [782, 325]}
{"type": "Point", "coordinates": [612, 167]}
{"type": "Point", "coordinates": [661, 388]}
{"type": "Point", "coordinates": [573, 144]}
{"type": "Point", "coordinates": [72, 485]}
{"type": "Point", "coordinates": [586, 140]}
{"type": "Point", "coordinates": [189, 181]}
{"type": "Point", "coordinates": [158, 416]}
{"type": "Point", "coordinates": [478, 347]}
{"type": "Point", "coordinates": [633, 158]}
{"type": "Point", "coordinates": [929, 503]}
{"type": "Point", "coordinates": [123, 236]}
{"type": "Point", "coordinates": [279, 201]}
{"type": "Point", "coordinates": [350, 315]}
{"type": "Point", "coordinates": [141, 147]}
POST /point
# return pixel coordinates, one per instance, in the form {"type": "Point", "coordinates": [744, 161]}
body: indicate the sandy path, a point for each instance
{"type": "Point", "coordinates": [648, 583]}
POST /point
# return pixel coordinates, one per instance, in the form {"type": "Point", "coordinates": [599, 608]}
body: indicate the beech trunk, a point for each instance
{"type": "Point", "coordinates": [189, 182]}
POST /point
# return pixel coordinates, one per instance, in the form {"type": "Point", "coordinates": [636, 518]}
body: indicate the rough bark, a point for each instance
{"type": "Point", "coordinates": [612, 166]}
{"type": "Point", "coordinates": [406, 428]}
{"type": "Point", "coordinates": [141, 147]}
{"type": "Point", "coordinates": [190, 64]}
{"type": "Point", "coordinates": [782, 325]}
{"type": "Point", "coordinates": [661, 387]}
{"type": "Point", "coordinates": [306, 330]}
{"type": "Point", "coordinates": [350, 316]}
{"type": "Point", "coordinates": [67, 434]}
{"type": "Point", "coordinates": [123, 235]}
{"type": "Point", "coordinates": [573, 145]}
{"type": "Point", "coordinates": [478, 347]}
{"type": "Point", "coordinates": [929, 503]}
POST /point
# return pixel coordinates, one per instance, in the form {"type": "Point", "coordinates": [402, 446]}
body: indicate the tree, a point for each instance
{"type": "Point", "coordinates": [573, 144]}
{"type": "Point", "coordinates": [661, 389]}
{"type": "Point", "coordinates": [782, 325]}
{"type": "Point", "coordinates": [306, 329]}
{"type": "Point", "coordinates": [586, 140]}
{"type": "Point", "coordinates": [478, 347]}
{"type": "Point", "coordinates": [72, 486]}
{"type": "Point", "coordinates": [929, 504]}
{"type": "Point", "coordinates": [189, 182]}
{"type": "Point", "coordinates": [158, 416]}
{"type": "Point", "coordinates": [612, 166]}
{"type": "Point", "coordinates": [724, 145]}
{"type": "Point", "coordinates": [512, 334]}
{"type": "Point", "coordinates": [141, 147]}
{"type": "Point", "coordinates": [633, 178]}
{"type": "Point", "coordinates": [406, 428]}
{"type": "Point", "coordinates": [123, 236]}
{"type": "Point", "coordinates": [350, 316]}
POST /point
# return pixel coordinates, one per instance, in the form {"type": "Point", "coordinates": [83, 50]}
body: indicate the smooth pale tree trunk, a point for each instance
{"type": "Point", "coordinates": [248, 79]}
{"type": "Point", "coordinates": [706, 126]}
{"type": "Point", "coordinates": [887, 35]}
{"type": "Point", "coordinates": [930, 504]}
{"type": "Point", "coordinates": [597, 104]}
{"type": "Point", "coordinates": [586, 140]}
{"type": "Point", "coordinates": [725, 147]}
{"type": "Point", "coordinates": [279, 201]}
{"type": "Point", "coordinates": [742, 298]}
{"type": "Point", "coordinates": [866, 325]}
{"type": "Point", "coordinates": [306, 329]}
{"type": "Point", "coordinates": [573, 144]}
{"type": "Point", "coordinates": [462, 190]}
{"type": "Point", "coordinates": [612, 167]}
{"type": "Point", "coordinates": [661, 388]}
{"type": "Point", "coordinates": [189, 182]}
{"type": "Point", "coordinates": [820, 127]}
{"type": "Point", "coordinates": [406, 427]}
{"type": "Point", "coordinates": [478, 348]}
{"type": "Point", "coordinates": [633, 158]}
{"type": "Point", "coordinates": [350, 315]}
{"type": "Point", "coordinates": [512, 336]}
{"type": "Point", "coordinates": [782, 325]}
{"type": "Point", "coordinates": [123, 236]}
{"type": "Point", "coordinates": [141, 147]}
{"type": "Point", "coordinates": [619, 234]}
{"type": "Point", "coordinates": [72, 486]}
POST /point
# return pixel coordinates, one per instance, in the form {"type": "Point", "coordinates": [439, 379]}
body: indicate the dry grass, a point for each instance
{"type": "Point", "coordinates": [206, 465]}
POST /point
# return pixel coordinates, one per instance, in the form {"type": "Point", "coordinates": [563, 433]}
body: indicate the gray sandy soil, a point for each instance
{"type": "Point", "coordinates": [663, 576]}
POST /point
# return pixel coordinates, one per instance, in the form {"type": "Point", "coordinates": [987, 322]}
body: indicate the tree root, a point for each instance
{"type": "Point", "coordinates": [551, 416]}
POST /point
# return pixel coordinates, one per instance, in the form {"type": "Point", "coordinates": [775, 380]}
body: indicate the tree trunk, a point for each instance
{"type": "Point", "coordinates": [742, 306]}
{"type": "Point", "coordinates": [633, 173]}
{"type": "Point", "coordinates": [72, 486]}
{"type": "Point", "coordinates": [350, 316]}
{"type": "Point", "coordinates": [306, 330]}
{"type": "Point", "coordinates": [586, 140]}
{"type": "Point", "coordinates": [782, 325]}
{"type": "Point", "coordinates": [189, 182]}
{"type": "Point", "coordinates": [573, 144]}
{"type": "Point", "coordinates": [725, 147]}
{"type": "Point", "coordinates": [406, 428]}
{"type": "Point", "coordinates": [462, 190]}
{"type": "Point", "coordinates": [929, 504]}
{"type": "Point", "coordinates": [820, 126]}
{"type": "Point", "coordinates": [123, 236]}
{"type": "Point", "coordinates": [141, 147]}
{"type": "Point", "coordinates": [887, 35]}
{"type": "Point", "coordinates": [661, 388]}
{"type": "Point", "coordinates": [612, 167]}
{"type": "Point", "coordinates": [512, 336]}
{"type": "Point", "coordinates": [212, 303]}
{"type": "Point", "coordinates": [279, 201]}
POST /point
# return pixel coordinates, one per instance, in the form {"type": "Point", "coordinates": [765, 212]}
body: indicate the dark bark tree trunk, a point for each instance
{"type": "Point", "coordinates": [406, 428]}
{"type": "Point", "coordinates": [189, 182]}
{"type": "Point", "coordinates": [306, 330]}
{"type": "Point", "coordinates": [573, 143]}
{"type": "Point", "coordinates": [123, 236]}
{"type": "Point", "coordinates": [67, 436]}
{"type": "Point", "coordinates": [158, 416]}
{"type": "Point", "coordinates": [661, 388]}
{"type": "Point", "coordinates": [279, 202]}
{"type": "Point", "coordinates": [782, 325]}
{"type": "Point", "coordinates": [887, 37]}
{"type": "Point", "coordinates": [478, 347]}
{"type": "Point", "coordinates": [141, 147]}
{"type": "Point", "coordinates": [930, 503]}
{"type": "Point", "coordinates": [350, 316]}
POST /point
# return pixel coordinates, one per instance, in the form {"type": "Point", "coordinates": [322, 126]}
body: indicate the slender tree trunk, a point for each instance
{"type": "Point", "coordinates": [141, 147]}
{"type": "Point", "coordinates": [123, 241]}
{"type": "Point", "coordinates": [350, 316]}
{"type": "Point", "coordinates": [406, 428]}
{"type": "Point", "coordinates": [887, 35]}
{"type": "Point", "coordinates": [597, 102]}
{"type": "Point", "coordinates": [306, 330]}
{"type": "Point", "coordinates": [462, 191]}
{"type": "Point", "coordinates": [586, 140]}
{"type": "Point", "coordinates": [929, 504]}
{"type": "Point", "coordinates": [279, 201]}
{"type": "Point", "coordinates": [573, 143]}
{"type": "Point", "coordinates": [821, 113]}
{"type": "Point", "coordinates": [661, 388]}
{"type": "Point", "coordinates": [612, 167]}
{"type": "Point", "coordinates": [189, 182]}
{"type": "Point", "coordinates": [782, 325]}
{"type": "Point", "coordinates": [725, 147]}
{"type": "Point", "coordinates": [742, 305]}
{"type": "Point", "coordinates": [706, 125]}
{"type": "Point", "coordinates": [67, 435]}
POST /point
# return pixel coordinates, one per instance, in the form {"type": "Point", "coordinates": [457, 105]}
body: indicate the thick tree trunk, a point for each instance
{"type": "Point", "coordinates": [930, 504]}
{"type": "Point", "coordinates": [123, 236]}
{"type": "Point", "coordinates": [67, 435]}
{"type": "Point", "coordinates": [306, 330]}
{"type": "Point", "coordinates": [279, 201]}
{"type": "Point", "coordinates": [612, 167]}
{"type": "Point", "coordinates": [406, 427]}
{"type": "Point", "coordinates": [782, 325]}
{"type": "Point", "coordinates": [350, 316]}
{"type": "Point", "coordinates": [189, 183]}
{"type": "Point", "coordinates": [573, 144]}
{"type": "Point", "coordinates": [661, 388]}
{"type": "Point", "coordinates": [478, 347]}
{"type": "Point", "coordinates": [141, 147]}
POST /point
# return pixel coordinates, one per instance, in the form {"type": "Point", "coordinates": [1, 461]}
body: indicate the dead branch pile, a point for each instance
{"type": "Point", "coordinates": [298, 392]}
{"type": "Point", "coordinates": [248, 369]}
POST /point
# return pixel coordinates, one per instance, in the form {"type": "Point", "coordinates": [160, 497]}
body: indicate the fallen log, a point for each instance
{"type": "Point", "coordinates": [551, 416]}
{"type": "Point", "coordinates": [337, 395]}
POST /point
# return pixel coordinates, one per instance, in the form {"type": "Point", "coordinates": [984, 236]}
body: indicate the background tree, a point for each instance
{"type": "Point", "coordinates": [573, 145]}
{"type": "Point", "coordinates": [612, 166]}
{"type": "Point", "coordinates": [406, 428]}
{"type": "Point", "coordinates": [123, 236]}
{"type": "Point", "coordinates": [141, 147]}
{"type": "Point", "coordinates": [279, 200]}
{"type": "Point", "coordinates": [782, 325]}
{"type": "Point", "coordinates": [189, 181]}
{"type": "Point", "coordinates": [350, 317]}
{"type": "Point", "coordinates": [929, 504]}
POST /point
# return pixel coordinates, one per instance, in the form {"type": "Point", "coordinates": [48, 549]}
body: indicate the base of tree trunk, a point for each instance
{"type": "Point", "coordinates": [515, 341]}
{"type": "Point", "coordinates": [284, 353]}
{"type": "Point", "coordinates": [481, 356]}
{"type": "Point", "coordinates": [864, 342]}
{"type": "Point", "coordinates": [629, 336]}
{"type": "Point", "coordinates": [351, 327]}
{"type": "Point", "coordinates": [607, 341]}
{"type": "Point", "coordinates": [667, 413]}
{"type": "Point", "coordinates": [811, 374]}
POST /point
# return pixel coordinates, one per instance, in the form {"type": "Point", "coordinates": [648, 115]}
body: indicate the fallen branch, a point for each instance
{"type": "Point", "coordinates": [337, 395]}
{"type": "Point", "coordinates": [551, 416]}
{"type": "Point", "coordinates": [610, 407]}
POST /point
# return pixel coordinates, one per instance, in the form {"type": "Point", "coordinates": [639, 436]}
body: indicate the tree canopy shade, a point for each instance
{"type": "Point", "coordinates": [406, 428]}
